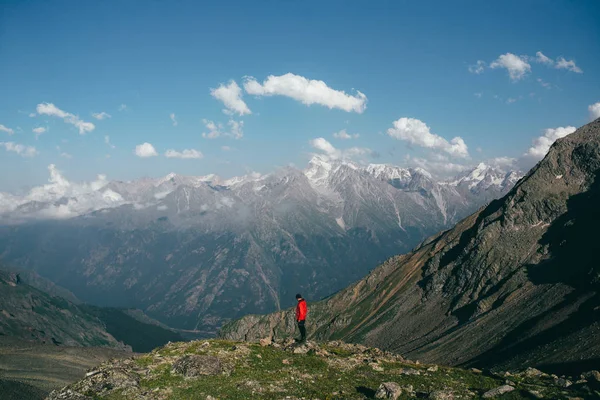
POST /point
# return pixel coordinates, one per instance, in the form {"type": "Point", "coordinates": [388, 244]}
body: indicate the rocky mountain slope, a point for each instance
{"type": "Point", "coordinates": [31, 314]}
{"type": "Point", "coordinates": [516, 283]}
{"type": "Point", "coordinates": [196, 251]}
{"type": "Point", "coordinates": [282, 370]}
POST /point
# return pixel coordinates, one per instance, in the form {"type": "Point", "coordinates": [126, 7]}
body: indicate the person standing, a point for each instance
{"type": "Point", "coordinates": [301, 311]}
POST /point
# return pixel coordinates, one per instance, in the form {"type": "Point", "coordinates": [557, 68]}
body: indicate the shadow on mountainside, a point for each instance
{"type": "Point", "coordinates": [572, 242]}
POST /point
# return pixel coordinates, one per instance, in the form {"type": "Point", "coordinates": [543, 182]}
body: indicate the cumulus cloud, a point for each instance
{"type": "Point", "coordinates": [22, 150]}
{"type": "Point", "coordinates": [477, 68]}
{"type": "Point", "coordinates": [66, 155]}
{"type": "Point", "coordinates": [108, 143]}
{"type": "Point", "coordinates": [225, 148]}
{"type": "Point", "coordinates": [216, 130]}
{"type": "Point", "coordinates": [345, 135]}
{"type": "Point", "coordinates": [51, 110]}
{"type": "Point", "coordinates": [569, 65]}
{"type": "Point", "coordinates": [594, 110]}
{"type": "Point", "coordinates": [418, 133]}
{"type": "Point", "coordinates": [516, 66]}
{"type": "Point", "coordinates": [542, 144]}
{"type": "Point", "coordinates": [7, 130]}
{"type": "Point", "coordinates": [541, 58]}
{"type": "Point", "coordinates": [185, 154]}
{"type": "Point", "coordinates": [307, 92]}
{"type": "Point", "coordinates": [332, 153]}
{"type": "Point", "coordinates": [123, 107]}
{"type": "Point", "coordinates": [101, 115]}
{"type": "Point", "coordinates": [173, 119]}
{"type": "Point", "coordinates": [231, 96]}
{"type": "Point", "coordinates": [145, 150]}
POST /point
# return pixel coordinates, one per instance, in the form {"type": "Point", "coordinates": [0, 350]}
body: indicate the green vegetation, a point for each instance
{"type": "Point", "coordinates": [332, 370]}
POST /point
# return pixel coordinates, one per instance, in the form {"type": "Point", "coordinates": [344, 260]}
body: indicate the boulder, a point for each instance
{"type": "Point", "coordinates": [388, 390]}
{"type": "Point", "coordinates": [533, 373]}
{"type": "Point", "coordinates": [266, 341]}
{"type": "Point", "coordinates": [498, 391]}
{"type": "Point", "coordinates": [408, 371]}
{"type": "Point", "coordinates": [195, 365]}
{"type": "Point", "coordinates": [441, 395]}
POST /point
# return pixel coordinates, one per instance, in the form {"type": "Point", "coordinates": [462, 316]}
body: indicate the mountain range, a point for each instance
{"type": "Point", "coordinates": [194, 252]}
{"type": "Point", "coordinates": [516, 283]}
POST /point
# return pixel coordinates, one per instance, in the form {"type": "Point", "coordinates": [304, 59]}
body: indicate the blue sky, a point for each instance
{"type": "Point", "coordinates": [415, 62]}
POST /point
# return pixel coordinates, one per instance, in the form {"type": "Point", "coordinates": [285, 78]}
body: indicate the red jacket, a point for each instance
{"type": "Point", "coordinates": [301, 310]}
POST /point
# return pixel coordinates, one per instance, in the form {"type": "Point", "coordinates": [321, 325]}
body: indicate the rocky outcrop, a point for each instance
{"type": "Point", "coordinates": [218, 369]}
{"type": "Point", "coordinates": [515, 283]}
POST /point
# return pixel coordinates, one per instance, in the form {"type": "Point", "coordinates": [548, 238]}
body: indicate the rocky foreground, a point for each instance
{"type": "Point", "coordinates": [218, 369]}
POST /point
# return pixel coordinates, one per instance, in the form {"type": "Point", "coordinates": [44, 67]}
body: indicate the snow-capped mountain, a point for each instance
{"type": "Point", "coordinates": [485, 177]}
{"type": "Point", "coordinates": [195, 251]}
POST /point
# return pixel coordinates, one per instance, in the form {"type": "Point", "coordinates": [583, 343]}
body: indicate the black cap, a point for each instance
{"type": "Point", "coordinates": [298, 296]}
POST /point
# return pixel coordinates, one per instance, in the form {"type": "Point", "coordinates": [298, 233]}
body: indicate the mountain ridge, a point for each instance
{"type": "Point", "coordinates": [194, 252]}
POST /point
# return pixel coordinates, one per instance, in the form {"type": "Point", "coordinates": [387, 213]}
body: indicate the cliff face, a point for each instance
{"type": "Point", "coordinates": [517, 282]}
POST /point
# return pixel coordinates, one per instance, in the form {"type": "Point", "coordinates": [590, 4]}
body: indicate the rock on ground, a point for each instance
{"type": "Point", "coordinates": [388, 390]}
{"type": "Point", "coordinates": [498, 391]}
{"type": "Point", "coordinates": [196, 365]}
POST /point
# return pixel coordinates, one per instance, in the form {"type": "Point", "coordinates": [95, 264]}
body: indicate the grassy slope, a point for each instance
{"type": "Point", "coordinates": [329, 371]}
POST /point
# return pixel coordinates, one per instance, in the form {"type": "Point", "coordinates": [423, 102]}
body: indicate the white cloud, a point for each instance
{"type": "Point", "coordinates": [306, 91]}
{"type": "Point", "coordinates": [542, 144]}
{"type": "Point", "coordinates": [478, 95]}
{"type": "Point", "coordinates": [38, 131]}
{"type": "Point", "coordinates": [52, 110]}
{"type": "Point", "coordinates": [225, 148]}
{"type": "Point", "coordinates": [418, 133]}
{"type": "Point", "coordinates": [185, 154]}
{"type": "Point", "coordinates": [594, 110]}
{"type": "Point", "coordinates": [77, 198]}
{"type": "Point", "coordinates": [22, 150]}
{"type": "Point", "coordinates": [439, 165]}
{"type": "Point", "coordinates": [511, 100]}
{"type": "Point", "coordinates": [516, 66]}
{"type": "Point", "coordinates": [123, 107]}
{"type": "Point", "coordinates": [107, 141]}
{"type": "Point", "coordinates": [214, 130]}
{"type": "Point", "coordinates": [7, 130]}
{"type": "Point", "coordinates": [172, 116]}
{"type": "Point", "coordinates": [32, 115]}
{"type": "Point", "coordinates": [477, 68]}
{"type": "Point", "coordinates": [145, 150]}
{"type": "Point", "coordinates": [570, 65]}
{"type": "Point", "coordinates": [236, 129]}
{"type": "Point", "coordinates": [541, 58]}
{"type": "Point", "coordinates": [345, 135]}
{"type": "Point", "coordinates": [332, 153]}
{"type": "Point", "coordinates": [502, 162]}
{"type": "Point", "coordinates": [101, 115]}
{"type": "Point", "coordinates": [66, 155]}
{"type": "Point", "coordinates": [231, 96]}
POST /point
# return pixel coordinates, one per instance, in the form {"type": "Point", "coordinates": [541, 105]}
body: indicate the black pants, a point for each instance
{"type": "Point", "coordinates": [302, 327]}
